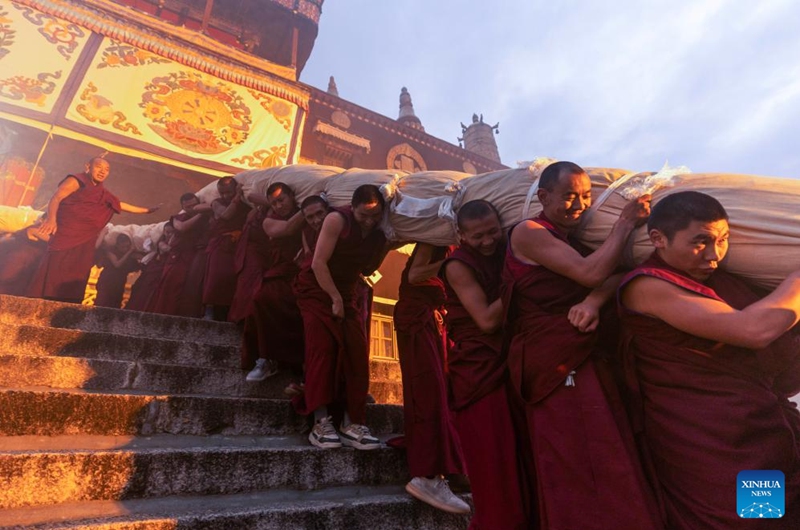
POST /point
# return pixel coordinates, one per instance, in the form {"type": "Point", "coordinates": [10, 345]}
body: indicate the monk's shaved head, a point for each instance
{"type": "Point", "coordinates": [477, 209]}
{"type": "Point", "coordinates": [367, 194]}
{"type": "Point", "coordinates": [314, 199]}
{"type": "Point", "coordinates": [226, 183]}
{"type": "Point", "coordinates": [279, 186]}
{"type": "Point", "coordinates": [677, 211]}
{"type": "Point", "coordinates": [551, 174]}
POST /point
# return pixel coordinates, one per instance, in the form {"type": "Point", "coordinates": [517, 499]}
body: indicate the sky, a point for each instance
{"type": "Point", "coordinates": [713, 85]}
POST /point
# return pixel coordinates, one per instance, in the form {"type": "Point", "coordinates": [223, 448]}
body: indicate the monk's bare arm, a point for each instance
{"type": "Point", "coordinates": [461, 278]}
{"type": "Point", "coordinates": [532, 243]}
{"type": "Point", "coordinates": [118, 262]}
{"type": "Point", "coordinates": [586, 315]}
{"type": "Point", "coordinates": [276, 228]}
{"type": "Point", "coordinates": [184, 226]}
{"type": "Point", "coordinates": [422, 268]}
{"type": "Point", "coordinates": [130, 208]}
{"type": "Point", "coordinates": [326, 243]}
{"type": "Point", "coordinates": [227, 212]}
{"type": "Point", "coordinates": [756, 326]}
{"type": "Point", "coordinates": [69, 186]}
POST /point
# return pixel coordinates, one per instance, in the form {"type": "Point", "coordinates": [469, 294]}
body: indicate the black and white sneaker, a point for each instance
{"type": "Point", "coordinates": [264, 368]}
{"type": "Point", "coordinates": [358, 436]}
{"type": "Point", "coordinates": [324, 436]}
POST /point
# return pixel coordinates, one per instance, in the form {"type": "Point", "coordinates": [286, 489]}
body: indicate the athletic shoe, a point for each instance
{"type": "Point", "coordinates": [294, 389]}
{"type": "Point", "coordinates": [358, 436]}
{"type": "Point", "coordinates": [264, 368]}
{"type": "Point", "coordinates": [436, 492]}
{"type": "Point", "coordinates": [324, 436]}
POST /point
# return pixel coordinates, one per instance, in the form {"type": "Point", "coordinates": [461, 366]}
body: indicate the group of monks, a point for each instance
{"type": "Point", "coordinates": [573, 393]}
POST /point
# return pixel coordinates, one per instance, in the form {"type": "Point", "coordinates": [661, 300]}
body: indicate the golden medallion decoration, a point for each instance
{"type": "Point", "coordinates": [196, 113]}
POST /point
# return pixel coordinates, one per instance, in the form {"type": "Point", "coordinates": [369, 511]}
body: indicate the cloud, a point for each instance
{"type": "Point", "coordinates": [710, 84]}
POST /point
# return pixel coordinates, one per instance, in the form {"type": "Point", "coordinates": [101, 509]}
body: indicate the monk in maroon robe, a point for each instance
{"type": "Point", "coordinates": [350, 243]}
{"type": "Point", "coordinates": [710, 368]}
{"type": "Point", "coordinates": [230, 213]}
{"type": "Point", "coordinates": [483, 408]}
{"type": "Point", "coordinates": [274, 319]}
{"type": "Point", "coordinates": [432, 446]}
{"type": "Point", "coordinates": [20, 254]}
{"type": "Point", "coordinates": [116, 265]}
{"type": "Point", "coordinates": [583, 450]}
{"type": "Point", "coordinates": [250, 259]}
{"type": "Point", "coordinates": [80, 208]}
{"type": "Point", "coordinates": [179, 291]}
{"type": "Point", "coordinates": [152, 270]}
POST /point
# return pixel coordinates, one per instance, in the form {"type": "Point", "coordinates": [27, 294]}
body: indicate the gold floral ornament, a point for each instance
{"type": "Point", "coordinates": [64, 34]}
{"type": "Point", "coordinates": [264, 158]}
{"type": "Point", "coordinates": [192, 112]}
{"type": "Point", "coordinates": [6, 34]}
{"type": "Point", "coordinates": [100, 109]}
{"type": "Point", "coordinates": [31, 90]}
{"type": "Point", "coordinates": [279, 109]}
{"type": "Point", "coordinates": [121, 55]}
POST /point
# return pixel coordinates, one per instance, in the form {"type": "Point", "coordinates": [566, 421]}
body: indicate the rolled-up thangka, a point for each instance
{"type": "Point", "coordinates": [424, 204]}
{"type": "Point", "coordinates": [764, 219]}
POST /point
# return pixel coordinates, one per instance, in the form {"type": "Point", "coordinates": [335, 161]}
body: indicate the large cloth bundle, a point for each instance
{"type": "Point", "coordinates": [424, 205]}
{"type": "Point", "coordinates": [139, 234]}
{"type": "Point", "coordinates": [14, 219]}
{"type": "Point", "coordinates": [339, 188]}
{"type": "Point", "coordinates": [304, 179]}
{"type": "Point", "coordinates": [764, 219]}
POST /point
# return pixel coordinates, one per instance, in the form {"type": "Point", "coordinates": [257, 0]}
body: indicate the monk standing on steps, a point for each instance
{"type": "Point", "coordinates": [483, 407]}
{"type": "Point", "coordinates": [432, 446]}
{"type": "Point", "coordinates": [587, 473]}
{"type": "Point", "coordinates": [710, 368]}
{"type": "Point", "coordinates": [274, 323]}
{"type": "Point", "coordinates": [77, 212]}
{"type": "Point", "coordinates": [350, 243]}
{"type": "Point", "coordinates": [229, 215]}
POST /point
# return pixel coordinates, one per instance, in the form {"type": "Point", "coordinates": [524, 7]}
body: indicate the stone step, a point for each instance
{"type": "Point", "coordinates": [350, 507]}
{"type": "Point", "coordinates": [44, 313]}
{"type": "Point", "coordinates": [36, 471]}
{"type": "Point", "coordinates": [102, 374]}
{"type": "Point", "coordinates": [25, 339]}
{"type": "Point", "coordinates": [49, 412]}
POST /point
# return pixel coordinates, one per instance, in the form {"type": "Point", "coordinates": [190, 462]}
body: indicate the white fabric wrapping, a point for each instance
{"type": "Point", "coordinates": [424, 205]}
{"type": "Point", "coordinates": [764, 218]}
{"type": "Point", "coordinates": [13, 219]}
{"type": "Point", "coordinates": [139, 234]}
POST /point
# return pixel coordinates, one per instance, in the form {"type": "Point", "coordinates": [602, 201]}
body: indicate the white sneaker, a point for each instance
{"type": "Point", "coordinates": [358, 436]}
{"type": "Point", "coordinates": [264, 368]}
{"type": "Point", "coordinates": [436, 492]}
{"type": "Point", "coordinates": [324, 436]}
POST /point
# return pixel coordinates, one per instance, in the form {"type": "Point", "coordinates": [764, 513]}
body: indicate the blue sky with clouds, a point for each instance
{"type": "Point", "coordinates": [710, 84]}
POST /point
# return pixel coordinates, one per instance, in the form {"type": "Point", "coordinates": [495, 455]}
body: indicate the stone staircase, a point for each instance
{"type": "Point", "coordinates": [117, 420]}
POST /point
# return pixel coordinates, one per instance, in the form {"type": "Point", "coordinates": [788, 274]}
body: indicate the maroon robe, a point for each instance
{"type": "Point", "coordinates": [583, 451]}
{"type": "Point", "coordinates": [179, 290]}
{"type": "Point", "coordinates": [337, 351]}
{"type": "Point", "coordinates": [275, 319]}
{"type": "Point", "coordinates": [64, 270]}
{"type": "Point", "coordinates": [220, 278]}
{"type": "Point", "coordinates": [112, 280]}
{"type": "Point", "coordinates": [19, 259]}
{"type": "Point", "coordinates": [250, 261]}
{"type": "Point", "coordinates": [431, 439]}
{"type": "Point", "coordinates": [147, 283]}
{"type": "Point", "coordinates": [704, 411]}
{"type": "Point", "coordinates": [484, 410]}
